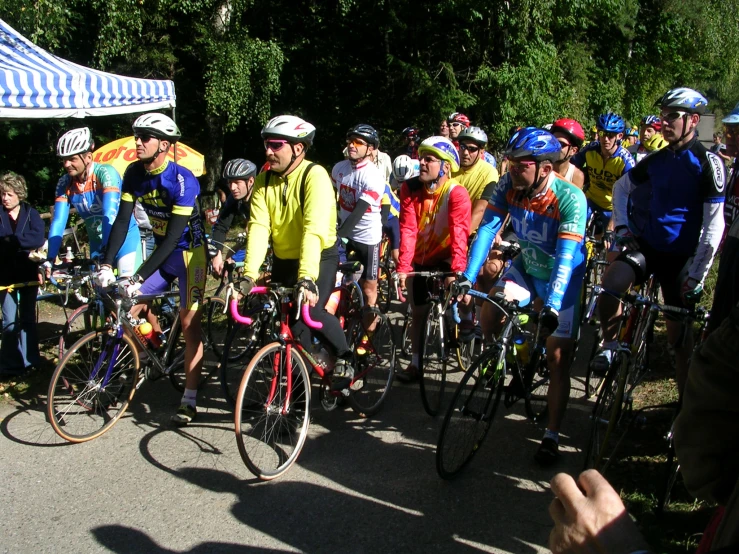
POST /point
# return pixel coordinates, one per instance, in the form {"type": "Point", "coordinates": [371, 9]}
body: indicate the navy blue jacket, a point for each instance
{"type": "Point", "coordinates": [15, 267]}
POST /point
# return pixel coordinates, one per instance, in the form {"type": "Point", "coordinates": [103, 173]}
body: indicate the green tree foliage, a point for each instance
{"type": "Point", "coordinates": [391, 63]}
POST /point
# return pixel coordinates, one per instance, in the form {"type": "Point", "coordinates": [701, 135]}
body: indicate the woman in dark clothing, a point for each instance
{"type": "Point", "coordinates": [21, 231]}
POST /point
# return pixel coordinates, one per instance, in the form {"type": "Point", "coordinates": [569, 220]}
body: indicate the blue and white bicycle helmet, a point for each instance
{"type": "Point", "coordinates": [684, 99]}
{"type": "Point", "coordinates": [733, 117]}
{"type": "Point", "coordinates": [652, 121]}
{"type": "Point", "coordinates": [610, 123]}
{"type": "Point", "coordinates": [532, 142]}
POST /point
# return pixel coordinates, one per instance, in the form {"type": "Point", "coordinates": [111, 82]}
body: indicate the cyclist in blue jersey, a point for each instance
{"type": "Point", "coordinates": [668, 218]}
{"type": "Point", "coordinates": [548, 216]}
{"type": "Point", "coordinates": [168, 193]}
{"type": "Point", "coordinates": [94, 190]}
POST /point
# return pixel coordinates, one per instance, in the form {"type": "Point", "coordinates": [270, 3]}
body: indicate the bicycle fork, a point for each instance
{"type": "Point", "coordinates": [279, 363]}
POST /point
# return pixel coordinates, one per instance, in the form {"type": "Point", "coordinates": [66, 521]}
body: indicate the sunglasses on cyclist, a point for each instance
{"type": "Point", "coordinates": [143, 138]}
{"type": "Point", "coordinates": [274, 144]}
{"type": "Point", "coordinates": [470, 149]}
{"type": "Point", "coordinates": [519, 166]}
{"type": "Point", "coordinates": [455, 124]}
{"type": "Point", "coordinates": [671, 117]}
{"type": "Point", "coordinates": [429, 160]}
{"type": "Point", "coordinates": [355, 142]}
{"type": "Point", "coordinates": [606, 134]}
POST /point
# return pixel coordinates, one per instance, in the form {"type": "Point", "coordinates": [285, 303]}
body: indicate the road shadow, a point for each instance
{"type": "Point", "coordinates": [125, 540]}
{"type": "Point", "coordinates": [28, 425]}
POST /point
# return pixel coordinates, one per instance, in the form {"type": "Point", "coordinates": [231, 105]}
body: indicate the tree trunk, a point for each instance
{"type": "Point", "coordinates": [213, 154]}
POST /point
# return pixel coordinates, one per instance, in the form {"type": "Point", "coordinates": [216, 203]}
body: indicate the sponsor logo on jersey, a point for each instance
{"type": "Point", "coordinates": [717, 167]}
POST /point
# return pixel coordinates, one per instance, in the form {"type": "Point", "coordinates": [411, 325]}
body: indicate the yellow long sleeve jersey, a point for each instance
{"type": "Point", "coordinates": [297, 232]}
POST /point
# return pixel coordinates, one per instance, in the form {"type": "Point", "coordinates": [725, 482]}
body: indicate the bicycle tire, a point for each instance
{"type": "Point", "coordinates": [177, 375]}
{"type": "Point", "coordinates": [269, 440]}
{"type": "Point", "coordinates": [374, 371]}
{"type": "Point", "coordinates": [242, 343]}
{"type": "Point", "coordinates": [593, 379]}
{"type": "Point", "coordinates": [606, 417]}
{"type": "Point", "coordinates": [384, 289]}
{"type": "Point", "coordinates": [467, 351]}
{"type": "Point", "coordinates": [470, 413]}
{"type": "Point", "coordinates": [433, 362]}
{"type": "Point", "coordinates": [78, 407]}
{"type": "Point", "coordinates": [80, 322]}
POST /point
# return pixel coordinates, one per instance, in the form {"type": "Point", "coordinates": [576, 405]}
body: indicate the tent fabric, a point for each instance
{"type": "Point", "coordinates": [36, 84]}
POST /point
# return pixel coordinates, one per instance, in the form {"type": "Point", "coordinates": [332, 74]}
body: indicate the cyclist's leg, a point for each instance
{"type": "Point", "coordinates": [491, 318]}
{"type": "Point", "coordinates": [369, 255]}
{"type": "Point", "coordinates": [418, 293]}
{"type": "Point", "coordinates": [629, 268]}
{"type": "Point", "coordinates": [156, 283]}
{"type": "Point", "coordinates": [670, 272]}
{"type": "Point", "coordinates": [129, 257]}
{"type": "Point", "coordinates": [392, 229]}
{"type": "Point", "coordinates": [560, 349]}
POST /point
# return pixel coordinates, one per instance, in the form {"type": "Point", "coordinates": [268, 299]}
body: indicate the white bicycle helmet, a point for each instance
{"type": "Point", "coordinates": [290, 128]}
{"type": "Point", "coordinates": [76, 141]}
{"type": "Point", "coordinates": [157, 125]}
{"type": "Point", "coordinates": [405, 167]}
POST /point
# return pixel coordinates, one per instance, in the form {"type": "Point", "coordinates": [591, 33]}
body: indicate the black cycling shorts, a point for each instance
{"type": "Point", "coordinates": [669, 269]}
{"type": "Point", "coordinates": [368, 254]}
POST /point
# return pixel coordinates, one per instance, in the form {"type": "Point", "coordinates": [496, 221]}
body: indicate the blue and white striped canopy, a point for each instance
{"type": "Point", "coordinates": [36, 84]}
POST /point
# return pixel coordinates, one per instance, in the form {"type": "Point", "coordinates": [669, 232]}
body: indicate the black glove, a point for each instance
{"type": "Point", "coordinates": [463, 285]}
{"type": "Point", "coordinates": [307, 284]}
{"type": "Point", "coordinates": [246, 285]}
{"type": "Point", "coordinates": [549, 320]}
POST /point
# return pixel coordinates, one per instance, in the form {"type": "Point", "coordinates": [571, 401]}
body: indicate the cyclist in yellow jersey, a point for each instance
{"type": "Point", "coordinates": [603, 163]}
{"type": "Point", "coordinates": [294, 205]}
{"type": "Point", "coordinates": [474, 172]}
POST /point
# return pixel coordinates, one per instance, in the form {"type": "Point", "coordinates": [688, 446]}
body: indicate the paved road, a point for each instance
{"type": "Point", "coordinates": [359, 485]}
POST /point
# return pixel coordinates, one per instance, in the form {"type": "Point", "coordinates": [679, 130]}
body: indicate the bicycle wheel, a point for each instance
{"type": "Point", "coordinates": [470, 413]}
{"type": "Point", "coordinates": [374, 371]}
{"type": "Point", "coordinates": [271, 426]}
{"type": "Point", "coordinates": [405, 340]}
{"type": "Point", "coordinates": [92, 386]}
{"type": "Point", "coordinates": [535, 403]}
{"type": "Point", "coordinates": [593, 379]}
{"type": "Point", "coordinates": [84, 319]}
{"type": "Point", "coordinates": [607, 425]}
{"type": "Point", "coordinates": [212, 310]}
{"type": "Point", "coordinates": [384, 289]}
{"type": "Point", "coordinates": [433, 361]}
{"type": "Point", "coordinates": [467, 351]}
{"type": "Point", "coordinates": [242, 343]}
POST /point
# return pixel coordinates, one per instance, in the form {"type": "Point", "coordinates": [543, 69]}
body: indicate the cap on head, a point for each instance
{"type": "Point", "coordinates": [733, 117]}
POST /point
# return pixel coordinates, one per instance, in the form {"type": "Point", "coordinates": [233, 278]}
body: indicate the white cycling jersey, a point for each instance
{"type": "Point", "coordinates": [361, 182]}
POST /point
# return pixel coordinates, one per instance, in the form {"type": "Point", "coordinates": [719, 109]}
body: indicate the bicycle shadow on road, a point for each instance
{"type": "Point", "coordinates": [29, 426]}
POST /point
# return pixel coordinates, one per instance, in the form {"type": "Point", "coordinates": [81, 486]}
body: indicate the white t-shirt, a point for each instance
{"type": "Point", "coordinates": [361, 182]}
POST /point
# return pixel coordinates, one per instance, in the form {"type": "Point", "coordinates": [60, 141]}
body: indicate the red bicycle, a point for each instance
{"type": "Point", "coordinates": [273, 403]}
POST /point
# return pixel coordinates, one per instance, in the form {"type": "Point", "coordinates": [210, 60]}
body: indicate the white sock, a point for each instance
{"type": "Point", "coordinates": [414, 360]}
{"type": "Point", "coordinates": [554, 435]}
{"type": "Point", "coordinates": [190, 397]}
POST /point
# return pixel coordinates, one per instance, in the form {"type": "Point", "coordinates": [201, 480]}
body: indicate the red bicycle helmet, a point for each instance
{"type": "Point", "coordinates": [460, 118]}
{"type": "Point", "coordinates": [571, 128]}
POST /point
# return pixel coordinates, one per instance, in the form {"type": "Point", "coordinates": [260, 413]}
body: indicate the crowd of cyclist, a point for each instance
{"type": "Point", "coordinates": [660, 202]}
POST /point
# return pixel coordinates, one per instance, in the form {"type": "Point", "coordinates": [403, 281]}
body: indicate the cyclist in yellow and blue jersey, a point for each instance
{"type": "Point", "coordinates": [168, 194]}
{"type": "Point", "coordinates": [604, 162]}
{"type": "Point", "coordinates": [390, 211]}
